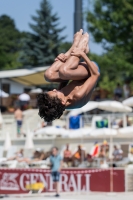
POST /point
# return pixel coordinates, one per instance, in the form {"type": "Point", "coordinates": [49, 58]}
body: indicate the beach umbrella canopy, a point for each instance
{"type": "Point", "coordinates": [114, 106]}
{"type": "Point", "coordinates": [103, 131]}
{"type": "Point", "coordinates": [29, 141]}
{"type": "Point", "coordinates": [1, 118]}
{"type": "Point", "coordinates": [36, 91]}
{"type": "Point", "coordinates": [126, 130]}
{"type": "Point", "coordinates": [24, 97]}
{"type": "Point", "coordinates": [77, 133]}
{"type": "Point", "coordinates": [7, 143]}
{"type": "Point", "coordinates": [89, 106]}
{"type": "Point", "coordinates": [51, 130]}
{"type": "Point", "coordinates": [128, 102]}
{"type": "Point", "coordinates": [3, 94]}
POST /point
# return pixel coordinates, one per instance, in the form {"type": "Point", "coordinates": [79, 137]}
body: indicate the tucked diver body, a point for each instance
{"type": "Point", "coordinates": [77, 80]}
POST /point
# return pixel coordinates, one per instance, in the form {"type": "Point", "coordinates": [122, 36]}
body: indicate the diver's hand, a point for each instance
{"type": "Point", "coordinates": [62, 57]}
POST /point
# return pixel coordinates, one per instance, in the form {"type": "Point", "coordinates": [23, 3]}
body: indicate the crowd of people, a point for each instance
{"type": "Point", "coordinates": [99, 152]}
{"type": "Point", "coordinates": [122, 92]}
{"type": "Point", "coordinates": [98, 156]}
{"type": "Point", "coordinates": [38, 155]}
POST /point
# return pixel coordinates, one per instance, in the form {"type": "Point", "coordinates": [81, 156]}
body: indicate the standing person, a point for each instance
{"type": "Point", "coordinates": [83, 77]}
{"type": "Point", "coordinates": [24, 99]}
{"type": "Point", "coordinates": [19, 119]}
{"type": "Point", "coordinates": [118, 92]}
{"type": "Point", "coordinates": [56, 165]}
{"type": "Point", "coordinates": [126, 90]}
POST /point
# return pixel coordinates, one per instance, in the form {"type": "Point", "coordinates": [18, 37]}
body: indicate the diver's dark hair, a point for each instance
{"type": "Point", "coordinates": [50, 108]}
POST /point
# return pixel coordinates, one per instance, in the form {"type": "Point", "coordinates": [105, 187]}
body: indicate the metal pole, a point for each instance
{"type": "Point", "coordinates": [1, 94]}
{"type": "Point", "coordinates": [78, 16]}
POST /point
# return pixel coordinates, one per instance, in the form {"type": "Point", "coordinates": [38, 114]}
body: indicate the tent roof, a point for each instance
{"type": "Point", "coordinates": [33, 76]}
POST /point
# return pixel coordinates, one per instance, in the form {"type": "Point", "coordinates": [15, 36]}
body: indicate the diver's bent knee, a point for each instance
{"type": "Point", "coordinates": [48, 75]}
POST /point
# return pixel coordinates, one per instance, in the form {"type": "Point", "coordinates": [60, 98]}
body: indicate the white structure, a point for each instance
{"type": "Point", "coordinates": [15, 87]}
{"type": "Point", "coordinates": [15, 81]}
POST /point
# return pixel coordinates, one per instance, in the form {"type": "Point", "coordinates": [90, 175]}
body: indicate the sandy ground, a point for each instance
{"type": "Point", "coordinates": [70, 196]}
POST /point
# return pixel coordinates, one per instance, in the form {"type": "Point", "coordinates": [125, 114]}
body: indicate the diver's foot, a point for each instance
{"type": "Point", "coordinates": [76, 41]}
{"type": "Point", "coordinates": [83, 44]}
{"type": "Point", "coordinates": [87, 49]}
{"type": "Point", "coordinates": [77, 38]}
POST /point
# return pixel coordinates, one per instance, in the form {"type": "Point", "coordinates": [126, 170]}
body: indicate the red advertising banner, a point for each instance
{"type": "Point", "coordinates": [14, 181]}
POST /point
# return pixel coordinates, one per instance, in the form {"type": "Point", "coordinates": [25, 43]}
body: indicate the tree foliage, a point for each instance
{"type": "Point", "coordinates": [9, 43]}
{"type": "Point", "coordinates": [111, 24]}
{"type": "Point", "coordinates": [42, 45]}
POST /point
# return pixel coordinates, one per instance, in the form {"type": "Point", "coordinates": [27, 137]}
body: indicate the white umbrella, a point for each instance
{"type": "Point", "coordinates": [51, 130]}
{"type": "Point", "coordinates": [7, 143]}
{"type": "Point", "coordinates": [29, 141]}
{"type": "Point", "coordinates": [126, 130]}
{"type": "Point", "coordinates": [3, 94]}
{"type": "Point", "coordinates": [24, 97]}
{"type": "Point", "coordinates": [114, 106]}
{"type": "Point", "coordinates": [128, 102]}
{"type": "Point", "coordinates": [89, 106]}
{"type": "Point", "coordinates": [77, 133]}
{"type": "Point", "coordinates": [1, 118]}
{"type": "Point", "coordinates": [36, 91]}
{"type": "Point", "coordinates": [103, 131]}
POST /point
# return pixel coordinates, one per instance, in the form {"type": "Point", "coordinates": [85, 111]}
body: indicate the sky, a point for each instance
{"type": "Point", "coordinates": [22, 10]}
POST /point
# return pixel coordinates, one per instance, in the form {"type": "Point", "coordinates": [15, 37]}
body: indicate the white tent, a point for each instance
{"type": "Point", "coordinates": [51, 131]}
{"type": "Point", "coordinates": [128, 102]}
{"type": "Point", "coordinates": [126, 130]}
{"type": "Point", "coordinates": [103, 131]}
{"type": "Point", "coordinates": [114, 106]}
{"type": "Point", "coordinates": [3, 94]}
{"type": "Point", "coordinates": [7, 143]}
{"type": "Point", "coordinates": [29, 141]}
{"type": "Point", "coordinates": [36, 91]}
{"type": "Point", "coordinates": [89, 106]}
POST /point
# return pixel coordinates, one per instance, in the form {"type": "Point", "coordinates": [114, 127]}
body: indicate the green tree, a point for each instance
{"type": "Point", "coordinates": [42, 45]}
{"type": "Point", "coordinates": [9, 43]}
{"type": "Point", "coordinates": [111, 24]}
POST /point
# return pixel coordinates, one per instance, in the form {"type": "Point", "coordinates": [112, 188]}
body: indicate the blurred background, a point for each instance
{"type": "Point", "coordinates": [97, 136]}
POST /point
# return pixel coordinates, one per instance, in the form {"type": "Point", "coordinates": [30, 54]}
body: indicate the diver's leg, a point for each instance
{"type": "Point", "coordinates": [72, 69]}
{"type": "Point", "coordinates": [52, 73]}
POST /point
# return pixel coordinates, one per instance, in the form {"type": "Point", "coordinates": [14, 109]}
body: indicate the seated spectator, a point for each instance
{"type": "Point", "coordinates": [120, 153]}
{"type": "Point", "coordinates": [67, 155]}
{"type": "Point", "coordinates": [79, 156]}
{"type": "Point", "coordinates": [117, 153]}
{"type": "Point", "coordinates": [118, 92]}
{"type": "Point", "coordinates": [41, 157]}
{"type": "Point", "coordinates": [95, 150]}
{"type": "Point", "coordinates": [130, 155]}
{"type": "Point", "coordinates": [36, 155]}
{"type": "Point", "coordinates": [105, 146]}
{"type": "Point", "coordinates": [126, 89]}
{"type": "Point", "coordinates": [18, 155]}
{"type": "Point", "coordinates": [101, 153]}
{"type": "Point", "coordinates": [128, 122]}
